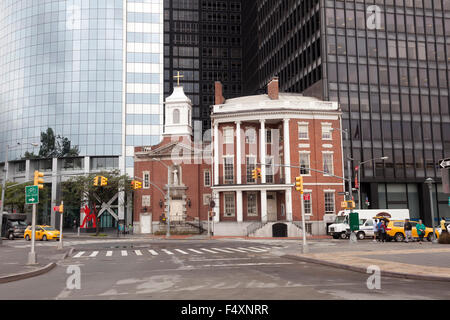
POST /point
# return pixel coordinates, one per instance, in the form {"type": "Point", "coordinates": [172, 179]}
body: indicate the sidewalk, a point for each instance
{"type": "Point", "coordinates": [426, 261]}
{"type": "Point", "coordinates": [13, 261]}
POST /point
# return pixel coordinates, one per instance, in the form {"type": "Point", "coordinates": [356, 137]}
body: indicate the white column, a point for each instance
{"type": "Point", "coordinates": [287, 151]}
{"type": "Point", "coordinates": [238, 153]}
{"type": "Point", "coordinates": [263, 150]}
{"type": "Point", "coordinates": [216, 198]}
{"type": "Point", "coordinates": [55, 170]}
{"type": "Point", "coordinates": [240, 211]}
{"type": "Point", "coordinates": [263, 206]}
{"type": "Point", "coordinates": [216, 153]}
{"type": "Point", "coordinates": [288, 198]}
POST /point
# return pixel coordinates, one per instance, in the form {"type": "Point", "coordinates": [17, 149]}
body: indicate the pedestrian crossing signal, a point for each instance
{"type": "Point", "coordinates": [299, 184]}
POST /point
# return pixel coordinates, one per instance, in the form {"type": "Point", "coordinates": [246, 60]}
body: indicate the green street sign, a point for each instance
{"type": "Point", "coordinates": [31, 195]}
{"type": "Point", "coordinates": [354, 221]}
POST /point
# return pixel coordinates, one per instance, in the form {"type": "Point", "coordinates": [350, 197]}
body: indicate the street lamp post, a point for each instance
{"type": "Point", "coordinates": [359, 177]}
{"type": "Point", "coordinates": [168, 197]}
{"type": "Point", "coordinates": [430, 182]}
{"type": "Point", "coordinates": [5, 170]}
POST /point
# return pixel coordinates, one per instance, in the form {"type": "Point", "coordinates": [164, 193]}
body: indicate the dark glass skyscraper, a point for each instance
{"type": "Point", "coordinates": [202, 40]}
{"type": "Point", "coordinates": [387, 63]}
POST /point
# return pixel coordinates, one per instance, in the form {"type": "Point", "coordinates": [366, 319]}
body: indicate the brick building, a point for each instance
{"type": "Point", "coordinates": [290, 133]}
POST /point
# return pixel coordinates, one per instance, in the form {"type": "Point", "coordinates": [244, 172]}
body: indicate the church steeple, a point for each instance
{"type": "Point", "coordinates": [178, 108]}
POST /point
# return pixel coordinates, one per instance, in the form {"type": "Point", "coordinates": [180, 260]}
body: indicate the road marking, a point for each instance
{"type": "Point", "coordinates": [138, 252]}
{"type": "Point", "coordinates": [245, 264]}
{"type": "Point", "coordinates": [238, 250]}
{"type": "Point", "coordinates": [251, 250]}
{"type": "Point", "coordinates": [166, 251]}
{"type": "Point", "coordinates": [79, 254]}
{"type": "Point", "coordinates": [207, 250]}
{"type": "Point", "coordinates": [109, 253]}
{"type": "Point", "coordinates": [124, 253]}
{"type": "Point", "coordinates": [260, 249]}
{"type": "Point", "coordinates": [223, 250]}
{"type": "Point", "coordinates": [93, 254]}
{"type": "Point", "coordinates": [183, 252]}
{"type": "Point", "coordinates": [153, 252]}
{"type": "Point", "coordinates": [196, 251]}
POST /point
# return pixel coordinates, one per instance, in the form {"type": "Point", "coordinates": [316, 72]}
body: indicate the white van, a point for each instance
{"type": "Point", "coordinates": [340, 228]}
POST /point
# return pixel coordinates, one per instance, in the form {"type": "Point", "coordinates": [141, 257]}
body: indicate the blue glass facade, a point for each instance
{"type": "Point", "coordinates": [62, 67]}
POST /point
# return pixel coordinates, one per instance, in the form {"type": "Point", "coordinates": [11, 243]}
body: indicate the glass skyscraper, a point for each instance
{"type": "Point", "coordinates": [91, 71]}
{"type": "Point", "coordinates": [387, 63]}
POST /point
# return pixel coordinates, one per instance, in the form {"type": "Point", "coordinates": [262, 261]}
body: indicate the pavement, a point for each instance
{"type": "Point", "coordinates": [413, 260]}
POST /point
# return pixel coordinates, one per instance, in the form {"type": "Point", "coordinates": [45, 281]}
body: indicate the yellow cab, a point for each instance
{"type": "Point", "coordinates": [43, 233]}
{"type": "Point", "coordinates": [395, 230]}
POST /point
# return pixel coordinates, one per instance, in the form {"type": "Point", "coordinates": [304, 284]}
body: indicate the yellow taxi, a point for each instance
{"type": "Point", "coordinates": [43, 233]}
{"type": "Point", "coordinates": [395, 231]}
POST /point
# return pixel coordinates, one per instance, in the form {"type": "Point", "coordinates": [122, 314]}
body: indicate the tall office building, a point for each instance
{"type": "Point", "coordinates": [387, 63]}
{"type": "Point", "coordinates": [202, 41]}
{"type": "Point", "coordinates": [92, 72]}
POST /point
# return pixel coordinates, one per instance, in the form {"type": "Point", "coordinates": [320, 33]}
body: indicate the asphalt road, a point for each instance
{"type": "Point", "coordinates": [205, 270]}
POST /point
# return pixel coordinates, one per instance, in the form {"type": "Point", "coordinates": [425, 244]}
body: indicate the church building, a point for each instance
{"type": "Point", "coordinates": [285, 135]}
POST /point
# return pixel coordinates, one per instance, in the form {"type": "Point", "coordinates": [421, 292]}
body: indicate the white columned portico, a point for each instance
{"type": "Point", "coordinates": [287, 169]}
{"type": "Point", "coordinates": [263, 150]}
{"type": "Point", "coordinates": [238, 153]}
{"type": "Point", "coordinates": [263, 206]}
{"type": "Point", "coordinates": [216, 153]}
{"type": "Point", "coordinates": [240, 212]}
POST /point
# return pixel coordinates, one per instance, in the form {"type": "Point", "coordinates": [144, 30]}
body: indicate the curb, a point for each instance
{"type": "Point", "coordinates": [364, 270]}
{"type": "Point", "coordinates": [25, 275]}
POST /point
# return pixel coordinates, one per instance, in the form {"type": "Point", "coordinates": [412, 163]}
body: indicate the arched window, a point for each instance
{"type": "Point", "coordinates": [176, 116]}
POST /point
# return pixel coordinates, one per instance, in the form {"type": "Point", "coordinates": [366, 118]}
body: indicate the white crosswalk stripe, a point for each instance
{"type": "Point", "coordinates": [167, 251]}
{"type": "Point", "coordinates": [138, 252]}
{"type": "Point", "coordinates": [207, 250]}
{"type": "Point", "coordinates": [251, 250]}
{"type": "Point", "coordinates": [222, 250]}
{"type": "Point", "coordinates": [153, 252]}
{"type": "Point", "coordinates": [238, 250]}
{"type": "Point", "coordinates": [183, 252]}
{"type": "Point", "coordinates": [196, 251]}
{"type": "Point", "coordinates": [79, 254]}
{"type": "Point", "coordinates": [124, 253]}
{"type": "Point", "coordinates": [109, 253]}
{"type": "Point", "coordinates": [259, 249]}
{"type": "Point", "coordinates": [93, 254]}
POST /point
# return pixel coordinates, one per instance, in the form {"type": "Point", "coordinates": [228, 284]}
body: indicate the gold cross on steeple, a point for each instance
{"type": "Point", "coordinates": [178, 77]}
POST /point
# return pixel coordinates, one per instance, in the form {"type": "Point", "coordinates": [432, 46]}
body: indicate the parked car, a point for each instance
{"type": "Point", "coordinates": [43, 233]}
{"type": "Point", "coordinates": [395, 231]}
{"type": "Point", "coordinates": [13, 225]}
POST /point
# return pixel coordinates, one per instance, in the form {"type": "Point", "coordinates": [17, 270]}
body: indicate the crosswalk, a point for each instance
{"type": "Point", "coordinates": [171, 252]}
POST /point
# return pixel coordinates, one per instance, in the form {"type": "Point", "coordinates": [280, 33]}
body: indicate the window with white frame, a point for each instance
{"type": "Point", "coordinates": [146, 201]}
{"type": "Point", "coordinates": [207, 178]}
{"type": "Point", "coordinates": [228, 135]}
{"type": "Point", "coordinates": [269, 169]}
{"type": "Point", "coordinates": [326, 131]}
{"type": "Point", "coordinates": [251, 165]}
{"type": "Point", "coordinates": [269, 136]}
{"type": "Point", "coordinates": [329, 202]}
{"type": "Point", "coordinates": [303, 132]}
{"type": "Point", "coordinates": [228, 168]}
{"type": "Point", "coordinates": [305, 163]}
{"type": "Point", "coordinates": [146, 180]}
{"type": "Point", "coordinates": [327, 163]}
{"type": "Point", "coordinates": [307, 202]}
{"type": "Point", "coordinates": [250, 136]}
{"type": "Point", "coordinates": [206, 199]}
{"type": "Point", "coordinates": [230, 208]}
{"type": "Point", "coordinates": [252, 207]}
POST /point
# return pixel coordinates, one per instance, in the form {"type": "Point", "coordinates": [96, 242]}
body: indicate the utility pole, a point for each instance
{"type": "Point", "coordinates": [5, 176]}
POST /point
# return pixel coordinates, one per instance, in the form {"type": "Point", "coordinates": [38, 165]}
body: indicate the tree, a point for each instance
{"type": "Point", "coordinates": [53, 147]}
{"type": "Point", "coordinates": [81, 188]}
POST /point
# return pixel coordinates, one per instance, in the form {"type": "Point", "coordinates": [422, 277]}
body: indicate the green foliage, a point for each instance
{"type": "Point", "coordinates": [53, 147]}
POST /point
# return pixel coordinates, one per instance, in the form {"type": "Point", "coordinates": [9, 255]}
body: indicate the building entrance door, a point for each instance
{"type": "Point", "coordinates": [272, 206]}
{"type": "Point", "coordinates": [176, 210]}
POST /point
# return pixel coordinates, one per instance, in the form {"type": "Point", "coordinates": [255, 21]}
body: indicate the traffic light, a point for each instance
{"type": "Point", "coordinates": [255, 174]}
{"type": "Point", "coordinates": [61, 207]}
{"type": "Point", "coordinates": [38, 180]}
{"type": "Point", "coordinates": [136, 185]}
{"type": "Point", "coordinates": [299, 184]}
{"type": "Point", "coordinates": [96, 181]}
{"type": "Point", "coordinates": [103, 181]}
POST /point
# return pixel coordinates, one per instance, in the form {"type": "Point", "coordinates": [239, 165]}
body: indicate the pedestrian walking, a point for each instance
{"type": "Point", "coordinates": [382, 231]}
{"type": "Point", "coordinates": [408, 230]}
{"type": "Point", "coordinates": [420, 227]}
{"type": "Point", "coordinates": [375, 230]}
{"type": "Point", "coordinates": [130, 228]}
{"type": "Point", "coordinates": [74, 225]}
{"type": "Point", "coordinates": [443, 228]}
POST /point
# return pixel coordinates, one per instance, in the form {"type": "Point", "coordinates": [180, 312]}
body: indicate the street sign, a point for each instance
{"type": "Point", "coordinates": [31, 194]}
{"type": "Point", "coordinates": [445, 163]}
{"type": "Point", "coordinates": [342, 193]}
{"type": "Point", "coordinates": [354, 221]}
